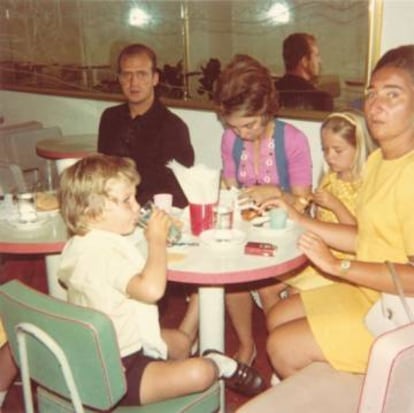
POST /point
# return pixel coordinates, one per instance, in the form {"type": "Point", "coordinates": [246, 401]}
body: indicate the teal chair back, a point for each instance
{"type": "Point", "coordinates": [71, 352]}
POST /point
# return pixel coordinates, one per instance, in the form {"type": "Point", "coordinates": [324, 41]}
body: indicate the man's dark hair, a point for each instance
{"type": "Point", "coordinates": [137, 49]}
{"type": "Point", "coordinates": [401, 57]}
{"type": "Point", "coordinates": [296, 46]}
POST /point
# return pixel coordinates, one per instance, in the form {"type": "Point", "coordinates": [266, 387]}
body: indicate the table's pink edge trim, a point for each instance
{"type": "Point", "coordinates": [236, 276]}
{"type": "Point", "coordinates": [48, 154]}
{"type": "Point", "coordinates": [31, 248]}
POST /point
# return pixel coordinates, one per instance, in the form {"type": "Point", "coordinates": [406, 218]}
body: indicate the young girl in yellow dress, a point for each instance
{"type": "Point", "coordinates": [345, 145]}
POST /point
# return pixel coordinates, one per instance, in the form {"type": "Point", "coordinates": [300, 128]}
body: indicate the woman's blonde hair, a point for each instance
{"type": "Point", "coordinates": [86, 185]}
{"type": "Point", "coordinates": [351, 126]}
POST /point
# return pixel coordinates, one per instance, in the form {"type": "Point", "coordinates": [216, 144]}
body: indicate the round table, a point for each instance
{"type": "Point", "coordinates": [211, 269]}
{"type": "Point", "coordinates": [67, 149]}
{"type": "Point", "coordinates": [69, 146]}
{"type": "Point", "coordinates": [48, 238]}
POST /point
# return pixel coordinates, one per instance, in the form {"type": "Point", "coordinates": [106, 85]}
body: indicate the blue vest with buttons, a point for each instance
{"type": "Point", "coordinates": [280, 154]}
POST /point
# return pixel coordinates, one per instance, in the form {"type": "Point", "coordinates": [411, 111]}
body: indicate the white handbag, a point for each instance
{"type": "Point", "coordinates": [391, 310]}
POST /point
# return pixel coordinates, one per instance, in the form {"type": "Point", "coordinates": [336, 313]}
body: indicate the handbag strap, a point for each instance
{"type": "Point", "coordinates": [398, 286]}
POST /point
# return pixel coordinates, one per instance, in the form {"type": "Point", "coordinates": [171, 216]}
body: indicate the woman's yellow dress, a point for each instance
{"type": "Point", "coordinates": [336, 312]}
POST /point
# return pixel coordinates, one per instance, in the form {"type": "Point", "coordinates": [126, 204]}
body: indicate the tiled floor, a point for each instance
{"type": "Point", "coordinates": [31, 271]}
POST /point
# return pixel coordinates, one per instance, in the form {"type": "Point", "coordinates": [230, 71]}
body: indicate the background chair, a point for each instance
{"type": "Point", "coordinates": [385, 388]}
{"type": "Point", "coordinates": [11, 178]}
{"type": "Point", "coordinates": [18, 146]}
{"type": "Point", "coordinates": [71, 353]}
{"type": "Point", "coordinates": [18, 127]}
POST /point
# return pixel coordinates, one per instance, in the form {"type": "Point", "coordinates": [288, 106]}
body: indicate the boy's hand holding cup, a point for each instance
{"type": "Point", "coordinates": [152, 219]}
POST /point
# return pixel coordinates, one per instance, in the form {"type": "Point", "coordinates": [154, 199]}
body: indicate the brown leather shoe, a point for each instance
{"type": "Point", "coordinates": [245, 380]}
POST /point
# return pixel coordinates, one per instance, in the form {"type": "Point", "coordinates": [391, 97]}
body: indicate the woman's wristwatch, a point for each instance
{"type": "Point", "coordinates": [344, 266]}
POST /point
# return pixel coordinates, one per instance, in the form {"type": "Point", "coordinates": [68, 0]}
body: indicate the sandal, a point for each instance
{"type": "Point", "coordinates": [245, 380]}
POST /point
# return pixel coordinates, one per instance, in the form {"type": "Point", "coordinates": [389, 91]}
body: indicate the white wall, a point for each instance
{"type": "Point", "coordinates": [397, 23]}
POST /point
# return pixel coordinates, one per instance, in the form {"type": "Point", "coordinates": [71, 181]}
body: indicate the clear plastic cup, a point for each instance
{"type": "Point", "coordinates": [26, 207]}
{"type": "Point", "coordinates": [223, 216]}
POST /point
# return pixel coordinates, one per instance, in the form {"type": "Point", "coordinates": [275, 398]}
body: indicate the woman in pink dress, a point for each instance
{"type": "Point", "coordinates": [265, 158]}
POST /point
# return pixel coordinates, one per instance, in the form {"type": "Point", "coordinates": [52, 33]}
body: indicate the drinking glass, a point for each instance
{"type": "Point", "coordinates": [26, 207]}
{"type": "Point", "coordinates": [174, 233]}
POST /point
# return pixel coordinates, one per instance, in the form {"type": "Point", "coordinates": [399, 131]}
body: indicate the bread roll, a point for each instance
{"type": "Point", "coordinates": [249, 213]}
{"type": "Point", "coordinates": [46, 201]}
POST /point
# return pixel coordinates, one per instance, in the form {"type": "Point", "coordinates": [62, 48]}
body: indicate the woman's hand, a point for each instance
{"type": "Point", "coordinates": [317, 251]}
{"type": "Point", "coordinates": [293, 214]}
{"type": "Point", "coordinates": [260, 193]}
{"type": "Point", "coordinates": [327, 200]}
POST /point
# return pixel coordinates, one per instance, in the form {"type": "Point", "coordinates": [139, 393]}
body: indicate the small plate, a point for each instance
{"type": "Point", "coordinates": [50, 213]}
{"type": "Point", "coordinates": [28, 226]}
{"type": "Point", "coordinates": [260, 221]}
{"type": "Point", "coordinates": [222, 238]}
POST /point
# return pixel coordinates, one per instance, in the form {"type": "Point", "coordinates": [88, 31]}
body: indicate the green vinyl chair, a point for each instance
{"type": "Point", "coordinates": [72, 355]}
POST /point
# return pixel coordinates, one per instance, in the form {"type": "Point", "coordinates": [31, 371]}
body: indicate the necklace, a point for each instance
{"type": "Point", "coordinates": [248, 174]}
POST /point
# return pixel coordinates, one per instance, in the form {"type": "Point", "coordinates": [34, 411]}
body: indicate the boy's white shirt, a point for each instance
{"type": "Point", "coordinates": [96, 268]}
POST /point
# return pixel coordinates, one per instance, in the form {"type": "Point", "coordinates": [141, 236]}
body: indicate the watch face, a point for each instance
{"type": "Point", "coordinates": [345, 265]}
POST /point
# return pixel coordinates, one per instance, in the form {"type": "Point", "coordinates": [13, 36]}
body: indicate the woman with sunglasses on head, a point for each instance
{"type": "Point", "coordinates": [254, 142]}
{"type": "Point", "coordinates": [263, 157]}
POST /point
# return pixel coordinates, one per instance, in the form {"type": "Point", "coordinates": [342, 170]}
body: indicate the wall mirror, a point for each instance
{"type": "Point", "coordinates": [71, 45]}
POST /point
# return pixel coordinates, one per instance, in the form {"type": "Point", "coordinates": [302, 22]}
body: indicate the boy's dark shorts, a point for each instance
{"type": "Point", "coordinates": [134, 365]}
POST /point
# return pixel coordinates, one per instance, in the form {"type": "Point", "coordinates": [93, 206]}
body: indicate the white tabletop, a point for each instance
{"type": "Point", "coordinates": [46, 237]}
{"type": "Point", "coordinates": [205, 265]}
{"type": "Point", "coordinates": [196, 264]}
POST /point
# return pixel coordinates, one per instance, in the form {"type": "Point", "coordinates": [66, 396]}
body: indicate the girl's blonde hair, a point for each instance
{"type": "Point", "coordinates": [86, 185]}
{"type": "Point", "coordinates": [351, 126]}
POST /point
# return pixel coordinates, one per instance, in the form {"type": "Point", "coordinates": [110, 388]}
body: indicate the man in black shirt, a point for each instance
{"type": "Point", "coordinates": [144, 129]}
{"type": "Point", "coordinates": [302, 64]}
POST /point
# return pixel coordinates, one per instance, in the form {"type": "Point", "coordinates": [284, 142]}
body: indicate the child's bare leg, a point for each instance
{"type": "Point", "coordinates": [270, 295]}
{"type": "Point", "coordinates": [8, 371]}
{"type": "Point", "coordinates": [166, 379]}
{"type": "Point", "coordinates": [240, 308]}
{"type": "Point", "coordinates": [178, 343]}
{"type": "Point", "coordinates": [189, 323]}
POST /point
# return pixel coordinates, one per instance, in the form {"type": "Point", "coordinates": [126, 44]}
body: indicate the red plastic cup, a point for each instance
{"type": "Point", "coordinates": [201, 217]}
